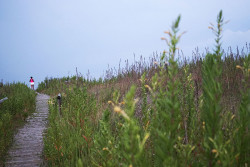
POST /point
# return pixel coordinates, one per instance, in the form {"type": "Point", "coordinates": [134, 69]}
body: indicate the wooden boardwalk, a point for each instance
{"type": "Point", "coordinates": [27, 146]}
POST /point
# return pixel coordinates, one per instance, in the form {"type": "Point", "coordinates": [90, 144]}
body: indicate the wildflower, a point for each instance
{"type": "Point", "coordinates": [50, 102]}
{"type": "Point", "coordinates": [214, 151]}
{"type": "Point", "coordinates": [148, 87]}
{"type": "Point", "coordinates": [239, 67]}
{"type": "Point", "coordinates": [105, 148]}
{"type": "Point", "coordinates": [210, 27]}
{"type": "Point", "coordinates": [120, 111]}
{"type": "Point", "coordinates": [117, 109]}
{"type": "Point", "coordinates": [168, 32]}
{"type": "Point", "coordinates": [110, 102]}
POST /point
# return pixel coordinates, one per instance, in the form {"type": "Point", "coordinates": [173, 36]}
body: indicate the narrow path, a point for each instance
{"type": "Point", "coordinates": [27, 146]}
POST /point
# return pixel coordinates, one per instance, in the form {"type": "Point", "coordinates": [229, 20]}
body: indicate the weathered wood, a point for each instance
{"type": "Point", "coordinates": [2, 100]}
{"type": "Point", "coordinates": [28, 145]}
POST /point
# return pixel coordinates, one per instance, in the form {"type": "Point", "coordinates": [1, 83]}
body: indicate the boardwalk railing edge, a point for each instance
{"type": "Point", "coordinates": [2, 100]}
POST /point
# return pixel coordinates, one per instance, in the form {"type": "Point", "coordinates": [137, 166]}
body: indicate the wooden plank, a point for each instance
{"type": "Point", "coordinates": [2, 100]}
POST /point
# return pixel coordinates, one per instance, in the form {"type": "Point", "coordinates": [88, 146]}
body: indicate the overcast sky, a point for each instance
{"type": "Point", "coordinates": [51, 38]}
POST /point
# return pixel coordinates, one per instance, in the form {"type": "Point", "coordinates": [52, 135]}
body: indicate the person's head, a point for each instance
{"type": "Point", "coordinates": [31, 77]}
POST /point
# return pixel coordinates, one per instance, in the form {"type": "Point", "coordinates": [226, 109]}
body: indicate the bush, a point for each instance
{"type": "Point", "coordinates": [168, 113]}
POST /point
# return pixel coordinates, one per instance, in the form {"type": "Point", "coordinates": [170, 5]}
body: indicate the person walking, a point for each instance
{"type": "Point", "coordinates": [32, 83]}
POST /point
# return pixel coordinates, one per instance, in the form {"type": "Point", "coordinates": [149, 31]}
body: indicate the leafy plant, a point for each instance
{"type": "Point", "coordinates": [168, 112]}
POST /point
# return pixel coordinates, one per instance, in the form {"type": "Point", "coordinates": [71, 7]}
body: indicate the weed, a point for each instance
{"type": "Point", "coordinates": [167, 112]}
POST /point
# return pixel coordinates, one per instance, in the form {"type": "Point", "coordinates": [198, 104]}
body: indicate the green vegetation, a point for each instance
{"type": "Point", "coordinates": [20, 103]}
{"type": "Point", "coordinates": [166, 112]}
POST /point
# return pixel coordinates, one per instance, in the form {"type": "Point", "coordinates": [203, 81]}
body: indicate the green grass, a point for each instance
{"type": "Point", "coordinates": [162, 113]}
{"type": "Point", "coordinates": [13, 112]}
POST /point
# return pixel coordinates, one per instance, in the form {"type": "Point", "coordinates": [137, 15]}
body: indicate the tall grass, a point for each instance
{"type": "Point", "coordinates": [20, 103]}
{"type": "Point", "coordinates": [161, 113]}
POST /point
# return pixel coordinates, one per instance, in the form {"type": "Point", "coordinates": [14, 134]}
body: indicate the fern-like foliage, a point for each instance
{"type": "Point", "coordinates": [243, 123]}
{"type": "Point", "coordinates": [168, 116]}
{"type": "Point", "coordinates": [212, 91]}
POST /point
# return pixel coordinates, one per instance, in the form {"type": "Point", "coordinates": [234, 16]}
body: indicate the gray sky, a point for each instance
{"type": "Point", "coordinates": [51, 38]}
